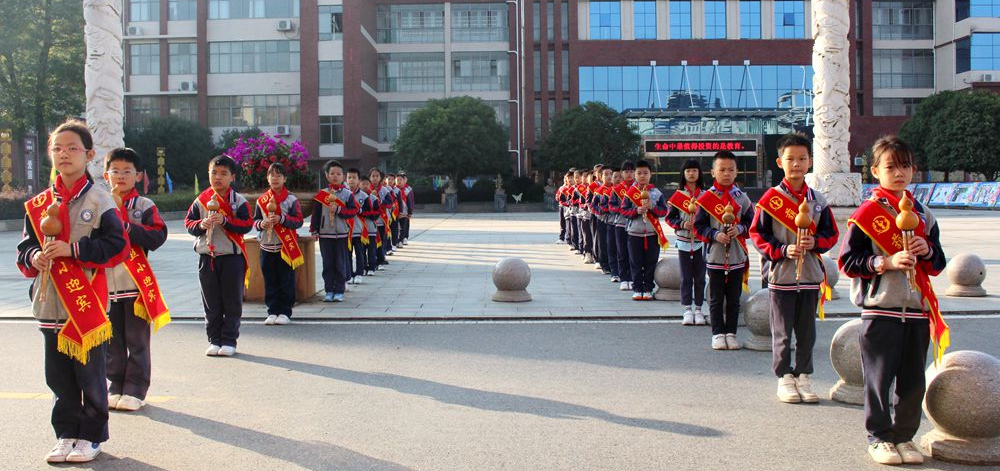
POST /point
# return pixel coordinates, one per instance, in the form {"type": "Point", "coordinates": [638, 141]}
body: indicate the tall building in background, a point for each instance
{"type": "Point", "coordinates": [693, 76]}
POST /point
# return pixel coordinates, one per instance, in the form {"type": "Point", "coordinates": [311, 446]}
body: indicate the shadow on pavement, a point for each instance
{"type": "Point", "coordinates": [479, 399]}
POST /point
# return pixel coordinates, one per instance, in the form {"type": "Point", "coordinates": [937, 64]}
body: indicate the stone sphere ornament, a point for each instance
{"type": "Point", "coordinates": [963, 403]}
{"type": "Point", "coordinates": [667, 276]}
{"type": "Point", "coordinates": [832, 274]}
{"type": "Point", "coordinates": [966, 272]}
{"type": "Point", "coordinates": [757, 312]}
{"type": "Point", "coordinates": [511, 277]}
{"type": "Point", "coordinates": [845, 356]}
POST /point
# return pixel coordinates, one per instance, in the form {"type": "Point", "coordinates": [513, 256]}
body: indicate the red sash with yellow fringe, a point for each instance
{"type": "Point", "coordinates": [634, 193]}
{"type": "Point", "coordinates": [237, 239]}
{"type": "Point", "coordinates": [291, 253]}
{"type": "Point", "coordinates": [328, 199]}
{"type": "Point", "coordinates": [716, 207]}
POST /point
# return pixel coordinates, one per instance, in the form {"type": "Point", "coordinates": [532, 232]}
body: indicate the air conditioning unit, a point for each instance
{"type": "Point", "coordinates": [188, 86]}
{"type": "Point", "coordinates": [134, 31]}
{"type": "Point", "coordinates": [283, 130]}
{"type": "Point", "coordinates": [286, 25]}
{"type": "Point", "coordinates": [859, 161]}
{"type": "Point", "coordinates": [989, 78]}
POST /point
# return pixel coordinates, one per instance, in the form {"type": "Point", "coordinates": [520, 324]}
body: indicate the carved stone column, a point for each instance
{"type": "Point", "coordinates": [103, 78]}
{"type": "Point", "coordinates": [832, 113]}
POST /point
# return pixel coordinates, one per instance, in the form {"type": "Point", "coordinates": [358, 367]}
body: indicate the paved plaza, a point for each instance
{"type": "Point", "coordinates": [327, 393]}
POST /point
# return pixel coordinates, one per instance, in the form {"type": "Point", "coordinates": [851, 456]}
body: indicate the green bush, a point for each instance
{"type": "Point", "coordinates": [531, 191]}
{"type": "Point", "coordinates": [188, 147]}
{"type": "Point", "coordinates": [179, 200]}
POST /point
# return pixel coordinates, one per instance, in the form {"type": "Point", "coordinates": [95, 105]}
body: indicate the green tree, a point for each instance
{"type": "Point", "coordinates": [41, 63]}
{"type": "Point", "coordinates": [454, 136]}
{"type": "Point", "coordinates": [954, 131]}
{"type": "Point", "coordinates": [229, 137]}
{"type": "Point", "coordinates": [587, 135]}
{"type": "Point", "coordinates": [188, 148]}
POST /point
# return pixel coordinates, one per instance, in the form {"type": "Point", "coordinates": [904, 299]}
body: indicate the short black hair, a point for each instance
{"type": "Point", "coordinates": [331, 164]}
{"type": "Point", "coordinates": [794, 139]}
{"type": "Point", "coordinates": [277, 168]}
{"type": "Point", "coordinates": [225, 161]}
{"type": "Point", "coordinates": [376, 170]}
{"type": "Point", "coordinates": [643, 164]}
{"type": "Point", "coordinates": [615, 169]}
{"type": "Point", "coordinates": [354, 171]}
{"type": "Point", "coordinates": [628, 165]}
{"type": "Point", "coordinates": [724, 155]}
{"type": "Point", "coordinates": [123, 154]}
{"type": "Point", "coordinates": [365, 179]}
{"type": "Point", "coordinates": [393, 175]}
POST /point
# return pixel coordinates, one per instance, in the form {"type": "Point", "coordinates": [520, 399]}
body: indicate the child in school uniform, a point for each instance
{"type": "Point", "coordinates": [899, 309]}
{"type": "Point", "coordinates": [643, 206]}
{"type": "Point", "coordinates": [726, 260]}
{"type": "Point", "coordinates": [611, 220]}
{"type": "Point", "coordinates": [332, 224]}
{"type": "Point", "coordinates": [690, 250]}
{"type": "Point", "coordinates": [222, 262]}
{"type": "Point", "coordinates": [406, 214]}
{"type": "Point", "coordinates": [602, 216]}
{"type": "Point", "coordinates": [370, 213]}
{"type": "Point", "coordinates": [794, 294]}
{"type": "Point", "coordinates": [69, 272]}
{"type": "Point", "coordinates": [561, 201]}
{"type": "Point", "coordinates": [136, 300]}
{"type": "Point", "coordinates": [280, 253]}
{"type": "Point", "coordinates": [394, 211]}
{"type": "Point", "coordinates": [621, 223]}
{"type": "Point", "coordinates": [360, 257]}
{"type": "Point", "coordinates": [384, 196]}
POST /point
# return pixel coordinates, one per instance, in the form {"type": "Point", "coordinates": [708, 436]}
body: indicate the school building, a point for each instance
{"type": "Point", "coordinates": [343, 76]}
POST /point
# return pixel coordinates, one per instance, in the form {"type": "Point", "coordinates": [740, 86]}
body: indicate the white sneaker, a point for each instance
{"type": "Point", "coordinates": [227, 351]}
{"type": "Point", "coordinates": [597, 265]}
{"type": "Point", "coordinates": [213, 350]}
{"type": "Point", "coordinates": [130, 403]}
{"type": "Point", "coordinates": [636, 296]}
{"type": "Point", "coordinates": [390, 252]}
{"type": "Point", "coordinates": [358, 280]}
{"type": "Point", "coordinates": [884, 453]}
{"type": "Point", "coordinates": [113, 401]}
{"type": "Point", "coordinates": [909, 453]}
{"type": "Point", "coordinates": [270, 319]}
{"type": "Point", "coordinates": [719, 342]}
{"type": "Point", "coordinates": [732, 342]}
{"type": "Point", "coordinates": [699, 318]}
{"type": "Point", "coordinates": [589, 258]}
{"type": "Point", "coordinates": [623, 286]}
{"type": "Point", "coordinates": [282, 319]}
{"type": "Point", "coordinates": [630, 285]}
{"type": "Point", "coordinates": [615, 279]}
{"type": "Point", "coordinates": [688, 317]}
{"type": "Point", "coordinates": [62, 449]}
{"type": "Point", "coordinates": [804, 386]}
{"type": "Point", "coordinates": [350, 281]}
{"type": "Point", "coordinates": [787, 391]}
{"type": "Point", "coordinates": [381, 268]}
{"type": "Point", "coordinates": [83, 452]}
{"type": "Point", "coordinates": [647, 296]}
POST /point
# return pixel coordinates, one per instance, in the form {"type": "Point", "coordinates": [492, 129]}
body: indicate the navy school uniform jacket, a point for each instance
{"type": "Point", "coordinates": [638, 225]}
{"type": "Point", "coordinates": [707, 227]}
{"type": "Point", "coordinates": [291, 218]}
{"type": "Point", "coordinates": [240, 223]}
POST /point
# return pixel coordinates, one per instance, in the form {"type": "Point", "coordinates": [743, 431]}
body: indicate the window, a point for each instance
{"type": "Point", "coordinates": [565, 21]}
{"type": "Point", "coordinates": [411, 72]}
{"type": "Point", "coordinates": [789, 19]}
{"type": "Point", "coordinates": [645, 19]}
{"type": "Point", "coordinates": [894, 106]}
{"type": "Point", "coordinates": [550, 22]}
{"type": "Point", "coordinates": [977, 9]}
{"type": "Point", "coordinates": [253, 110]}
{"type": "Point", "coordinates": [538, 119]}
{"type": "Point", "coordinates": [565, 70]}
{"type": "Point", "coordinates": [605, 20]}
{"type": "Point", "coordinates": [410, 23]}
{"type": "Point", "coordinates": [331, 129]}
{"type": "Point", "coordinates": [715, 20]}
{"type": "Point", "coordinates": [331, 78]}
{"type": "Point", "coordinates": [903, 20]}
{"type": "Point", "coordinates": [750, 19]}
{"type": "Point", "coordinates": [903, 68]}
{"type": "Point", "coordinates": [479, 71]}
{"type": "Point", "coordinates": [479, 22]}
{"type": "Point", "coordinates": [184, 107]}
{"type": "Point", "coordinates": [331, 22]}
{"type": "Point", "coordinates": [183, 58]}
{"type": "Point", "coordinates": [144, 10]}
{"type": "Point", "coordinates": [680, 19]}
{"type": "Point", "coordinates": [984, 51]}
{"type": "Point", "coordinates": [963, 58]}
{"type": "Point", "coordinates": [536, 21]}
{"type": "Point", "coordinates": [140, 110]}
{"type": "Point", "coordinates": [551, 60]}
{"type": "Point", "coordinates": [253, 56]}
{"type": "Point", "coordinates": [552, 114]}
{"type": "Point", "coordinates": [392, 116]}
{"type": "Point", "coordinates": [144, 59]}
{"type": "Point", "coordinates": [239, 9]}
{"type": "Point", "coordinates": [183, 10]}
{"type": "Point", "coordinates": [537, 70]}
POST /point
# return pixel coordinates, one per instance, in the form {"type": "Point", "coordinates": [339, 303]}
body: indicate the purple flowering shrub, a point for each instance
{"type": "Point", "coordinates": [255, 154]}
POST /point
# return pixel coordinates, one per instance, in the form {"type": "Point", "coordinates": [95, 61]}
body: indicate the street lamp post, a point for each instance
{"type": "Point", "coordinates": [518, 21]}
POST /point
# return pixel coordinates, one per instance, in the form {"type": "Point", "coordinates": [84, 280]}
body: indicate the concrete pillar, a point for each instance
{"type": "Point", "coordinates": [102, 74]}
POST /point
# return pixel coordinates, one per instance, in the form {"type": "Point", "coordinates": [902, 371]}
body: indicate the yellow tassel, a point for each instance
{"type": "Point", "coordinates": [161, 320]}
{"type": "Point", "coordinates": [139, 310]}
{"type": "Point", "coordinates": [81, 351]}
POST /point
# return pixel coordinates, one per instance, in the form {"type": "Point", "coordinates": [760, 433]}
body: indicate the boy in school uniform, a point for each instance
{"type": "Point", "coordinates": [222, 264]}
{"type": "Point", "coordinates": [643, 205]}
{"type": "Point", "coordinates": [602, 218]}
{"type": "Point", "coordinates": [611, 221]}
{"type": "Point", "coordinates": [332, 224]}
{"type": "Point", "coordinates": [690, 250]}
{"type": "Point", "coordinates": [621, 223]}
{"type": "Point", "coordinates": [68, 271]}
{"type": "Point", "coordinates": [560, 200]}
{"type": "Point", "coordinates": [726, 260]}
{"type": "Point", "coordinates": [390, 183]}
{"type": "Point", "coordinates": [899, 310]}
{"type": "Point", "coordinates": [360, 256]}
{"type": "Point", "coordinates": [569, 197]}
{"type": "Point", "coordinates": [794, 294]}
{"type": "Point", "coordinates": [584, 215]}
{"type": "Point", "coordinates": [384, 196]}
{"type": "Point", "coordinates": [370, 213]}
{"type": "Point", "coordinates": [136, 300]}
{"type": "Point", "coordinates": [280, 253]}
{"type": "Point", "coordinates": [406, 215]}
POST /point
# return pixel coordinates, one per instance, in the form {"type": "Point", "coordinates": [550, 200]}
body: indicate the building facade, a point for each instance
{"type": "Point", "coordinates": [343, 76]}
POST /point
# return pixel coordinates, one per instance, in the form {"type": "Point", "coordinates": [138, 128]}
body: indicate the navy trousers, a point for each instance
{"type": "Point", "coordinates": [128, 357]}
{"type": "Point", "coordinates": [222, 295]}
{"type": "Point", "coordinates": [80, 408]}
{"type": "Point", "coordinates": [336, 264]}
